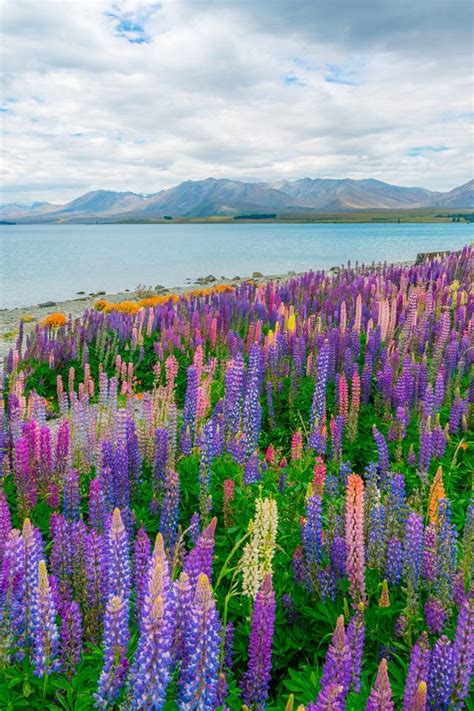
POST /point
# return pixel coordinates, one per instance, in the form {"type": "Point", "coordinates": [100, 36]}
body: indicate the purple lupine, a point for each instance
{"type": "Point", "coordinates": [429, 554]}
{"type": "Point", "coordinates": [71, 638]}
{"type": "Point", "coordinates": [380, 698]}
{"type": "Point", "coordinates": [44, 630]}
{"type": "Point", "coordinates": [228, 658]}
{"type": "Point", "coordinates": [151, 671]}
{"type": "Point", "coordinates": [338, 664]}
{"type": "Point", "coordinates": [96, 573]}
{"type": "Point", "coordinates": [251, 470]}
{"type": "Point", "coordinates": [252, 409]}
{"type": "Point", "coordinates": [141, 560]}
{"type": "Point", "coordinates": [33, 550]}
{"type": "Point", "coordinates": [319, 398]}
{"type": "Point", "coordinates": [376, 544]}
{"type": "Point", "coordinates": [118, 559]}
{"type": "Point", "coordinates": [338, 556]}
{"type": "Point", "coordinates": [313, 534]}
{"type": "Point", "coordinates": [331, 698]}
{"type": "Point", "coordinates": [170, 510]}
{"type": "Point", "coordinates": [441, 676]}
{"type": "Point", "coordinates": [71, 496]}
{"type": "Point", "coordinates": [418, 670]}
{"type": "Point", "coordinates": [194, 527]}
{"type": "Point", "coordinates": [115, 643]}
{"type": "Point", "coordinates": [356, 637]}
{"type": "Point", "coordinates": [198, 678]}
{"type": "Point", "coordinates": [190, 404]}
{"type": "Point", "coordinates": [12, 593]}
{"type": "Point", "coordinates": [5, 523]}
{"type": "Point", "coordinates": [413, 555]}
{"type": "Point", "coordinates": [183, 594]}
{"type": "Point", "coordinates": [435, 615]}
{"type": "Point", "coordinates": [256, 679]}
{"type": "Point", "coordinates": [446, 553]}
{"type": "Point", "coordinates": [199, 559]}
{"type": "Point", "coordinates": [382, 451]}
{"type": "Point", "coordinates": [463, 651]}
{"type": "Point", "coordinates": [97, 505]}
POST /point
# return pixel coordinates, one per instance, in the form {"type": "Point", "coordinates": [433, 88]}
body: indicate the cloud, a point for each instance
{"type": "Point", "coordinates": [134, 95]}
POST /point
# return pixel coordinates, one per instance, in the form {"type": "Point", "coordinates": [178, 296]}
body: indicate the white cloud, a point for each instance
{"type": "Point", "coordinates": [134, 95]}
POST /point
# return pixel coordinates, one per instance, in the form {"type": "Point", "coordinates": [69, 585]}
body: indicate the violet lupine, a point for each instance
{"type": "Point", "coordinates": [199, 559]}
{"type": "Point", "coordinates": [418, 671]}
{"type": "Point", "coordinates": [12, 592]}
{"type": "Point", "coordinates": [331, 698]}
{"type": "Point", "coordinates": [71, 638]}
{"type": "Point", "coordinates": [355, 551]}
{"type": "Point", "coordinates": [115, 643]}
{"type": "Point", "coordinates": [170, 510]}
{"type": "Point", "coordinates": [356, 637]}
{"type": "Point", "coordinates": [338, 664]}
{"type": "Point", "coordinates": [194, 527]}
{"type": "Point", "coordinates": [97, 505]}
{"type": "Point", "coordinates": [440, 685]}
{"type": "Point", "coordinates": [313, 535]}
{"type": "Point", "coordinates": [190, 406]}
{"type": "Point", "coordinates": [319, 398]}
{"type": "Point", "coordinates": [199, 678]}
{"type": "Point", "coordinates": [71, 496]}
{"type": "Point", "coordinates": [412, 556]}
{"type": "Point", "coordinates": [5, 523]}
{"type": "Point", "coordinates": [435, 615]}
{"type": "Point", "coordinates": [380, 698]}
{"type": "Point", "coordinates": [141, 561]}
{"type": "Point", "coordinates": [183, 595]}
{"type": "Point", "coordinates": [463, 651]}
{"type": "Point", "coordinates": [44, 630]}
{"type": "Point", "coordinates": [256, 680]}
{"type": "Point", "coordinates": [96, 573]}
{"type": "Point", "coordinates": [118, 559]}
{"type": "Point", "coordinates": [382, 451]}
{"type": "Point", "coordinates": [151, 671]}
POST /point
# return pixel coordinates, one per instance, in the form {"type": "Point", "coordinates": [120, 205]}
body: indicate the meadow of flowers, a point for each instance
{"type": "Point", "coordinates": [255, 497]}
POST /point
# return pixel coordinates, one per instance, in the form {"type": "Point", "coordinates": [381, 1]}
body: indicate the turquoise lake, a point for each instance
{"type": "Point", "coordinates": [54, 262]}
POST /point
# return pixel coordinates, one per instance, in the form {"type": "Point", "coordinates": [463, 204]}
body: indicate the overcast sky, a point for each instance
{"type": "Point", "coordinates": [135, 95]}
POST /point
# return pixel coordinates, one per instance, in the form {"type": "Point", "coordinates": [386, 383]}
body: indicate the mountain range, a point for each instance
{"type": "Point", "coordinates": [233, 198]}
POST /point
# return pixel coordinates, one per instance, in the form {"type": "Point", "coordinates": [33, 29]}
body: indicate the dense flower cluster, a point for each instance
{"type": "Point", "coordinates": [211, 500]}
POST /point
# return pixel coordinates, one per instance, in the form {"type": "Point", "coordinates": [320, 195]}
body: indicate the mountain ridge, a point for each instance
{"type": "Point", "coordinates": [227, 197]}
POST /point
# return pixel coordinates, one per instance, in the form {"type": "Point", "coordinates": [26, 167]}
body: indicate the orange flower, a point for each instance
{"type": "Point", "coordinates": [101, 305]}
{"type": "Point", "coordinates": [436, 493]}
{"type": "Point", "coordinates": [54, 320]}
{"type": "Point", "coordinates": [126, 307]}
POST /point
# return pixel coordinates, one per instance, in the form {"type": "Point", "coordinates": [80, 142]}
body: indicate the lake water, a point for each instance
{"type": "Point", "coordinates": [54, 262]}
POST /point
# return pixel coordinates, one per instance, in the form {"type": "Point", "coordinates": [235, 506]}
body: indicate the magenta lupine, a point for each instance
{"type": "Point", "coordinates": [198, 677]}
{"type": "Point", "coordinates": [256, 680]}
{"type": "Point", "coordinates": [355, 551]}
{"type": "Point", "coordinates": [44, 630]}
{"type": "Point", "coordinates": [418, 671]}
{"type": "Point", "coordinates": [441, 676]}
{"type": "Point", "coordinates": [338, 665]}
{"type": "Point", "coordinates": [380, 698]}
{"type": "Point", "coordinates": [151, 671]}
{"type": "Point", "coordinates": [463, 651]}
{"type": "Point", "coordinates": [71, 638]}
{"type": "Point", "coordinates": [115, 643]}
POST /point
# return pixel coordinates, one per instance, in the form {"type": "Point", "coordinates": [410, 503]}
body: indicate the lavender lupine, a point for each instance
{"type": "Point", "coordinates": [71, 497]}
{"type": "Point", "coordinates": [170, 510]}
{"type": "Point", "coordinates": [115, 643]}
{"type": "Point", "coordinates": [319, 398]}
{"type": "Point", "coordinates": [313, 535]}
{"type": "Point", "coordinates": [44, 630]}
{"type": "Point", "coordinates": [412, 556]}
{"type": "Point", "coordinates": [418, 670]}
{"type": "Point", "coordinates": [198, 676]}
{"type": "Point", "coordinates": [331, 698]}
{"type": "Point", "coordinates": [256, 680]}
{"type": "Point", "coordinates": [183, 595]}
{"type": "Point", "coordinates": [356, 637]}
{"type": "Point", "coordinates": [199, 560]}
{"type": "Point", "coordinates": [141, 560]}
{"type": "Point", "coordinates": [380, 698]}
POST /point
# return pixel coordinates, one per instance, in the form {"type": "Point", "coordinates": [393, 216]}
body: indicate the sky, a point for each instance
{"type": "Point", "coordinates": [138, 95]}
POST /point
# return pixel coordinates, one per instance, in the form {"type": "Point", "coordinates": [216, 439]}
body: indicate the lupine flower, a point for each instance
{"type": "Point", "coordinates": [380, 698]}
{"type": "Point", "coordinates": [71, 497]}
{"type": "Point", "coordinates": [256, 679]}
{"type": "Point", "coordinates": [71, 637]}
{"type": "Point", "coordinates": [116, 638]}
{"type": "Point", "coordinates": [463, 651]}
{"type": "Point", "coordinates": [418, 671]}
{"type": "Point", "coordinates": [338, 665]}
{"type": "Point", "coordinates": [96, 573]}
{"type": "Point", "coordinates": [356, 637]}
{"type": "Point", "coordinates": [118, 559]}
{"type": "Point", "coordinates": [183, 594]}
{"type": "Point", "coordinates": [435, 615]}
{"type": "Point", "coordinates": [313, 534]}
{"type": "Point", "coordinates": [412, 554]}
{"type": "Point", "coordinates": [446, 553]}
{"type": "Point", "coordinates": [170, 510]}
{"type": "Point", "coordinates": [44, 631]}
{"type": "Point", "coordinates": [151, 671]}
{"type": "Point", "coordinates": [198, 677]}
{"type": "Point", "coordinates": [440, 683]}
{"type": "Point", "coordinates": [355, 554]}
{"type": "Point", "coordinates": [199, 560]}
{"type": "Point", "coordinates": [331, 698]}
{"type": "Point", "coordinates": [141, 560]}
{"type": "Point", "coordinates": [228, 497]}
{"type": "Point", "coordinates": [319, 476]}
{"type": "Point", "coordinates": [384, 600]}
{"type": "Point", "coordinates": [258, 553]}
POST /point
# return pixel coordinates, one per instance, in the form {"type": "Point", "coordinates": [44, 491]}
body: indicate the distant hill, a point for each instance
{"type": "Point", "coordinates": [206, 198]}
